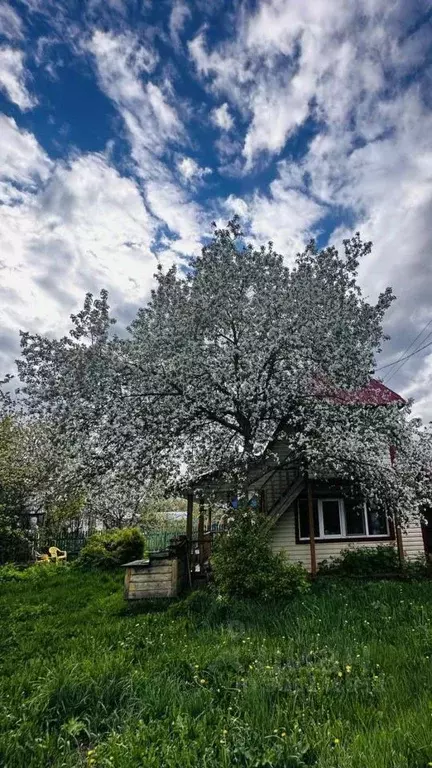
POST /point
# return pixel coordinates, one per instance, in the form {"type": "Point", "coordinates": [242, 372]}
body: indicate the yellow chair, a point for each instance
{"type": "Point", "coordinates": [57, 554]}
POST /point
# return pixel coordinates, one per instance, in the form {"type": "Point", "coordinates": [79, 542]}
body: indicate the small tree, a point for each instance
{"type": "Point", "coordinates": [243, 564]}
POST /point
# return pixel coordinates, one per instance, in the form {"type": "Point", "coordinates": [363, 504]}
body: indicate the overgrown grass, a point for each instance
{"type": "Point", "coordinates": [339, 678]}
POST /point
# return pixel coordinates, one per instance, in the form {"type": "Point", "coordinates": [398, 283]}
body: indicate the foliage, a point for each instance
{"type": "Point", "coordinates": [109, 549]}
{"type": "Point", "coordinates": [17, 477]}
{"type": "Point", "coordinates": [418, 568]}
{"type": "Point", "coordinates": [364, 561]}
{"type": "Point", "coordinates": [65, 514]}
{"type": "Point", "coordinates": [40, 572]}
{"type": "Point", "coordinates": [374, 562]}
{"type": "Point", "coordinates": [243, 564]}
{"type": "Point", "coordinates": [228, 353]}
{"type": "Point", "coordinates": [338, 676]}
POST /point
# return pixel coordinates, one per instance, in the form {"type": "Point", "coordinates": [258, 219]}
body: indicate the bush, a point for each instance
{"type": "Point", "coordinates": [419, 568]}
{"type": "Point", "coordinates": [112, 548]}
{"type": "Point", "coordinates": [364, 561]}
{"type": "Point", "coordinates": [37, 572]}
{"type": "Point", "coordinates": [243, 564]}
{"type": "Point", "coordinates": [15, 545]}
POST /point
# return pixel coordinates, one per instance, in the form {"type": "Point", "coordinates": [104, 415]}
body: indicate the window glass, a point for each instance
{"type": "Point", "coordinates": [331, 519]}
{"type": "Point", "coordinates": [354, 518]}
{"type": "Point", "coordinates": [304, 518]}
{"type": "Point", "coordinates": [377, 523]}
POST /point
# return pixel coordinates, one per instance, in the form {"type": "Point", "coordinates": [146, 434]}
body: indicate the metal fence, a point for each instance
{"type": "Point", "coordinates": [71, 544]}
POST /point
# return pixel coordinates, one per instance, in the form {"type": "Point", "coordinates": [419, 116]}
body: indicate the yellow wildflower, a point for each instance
{"type": "Point", "coordinates": [202, 681]}
{"type": "Point", "coordinates": [340, 674]}
{"type": "Point", "coordinates": [336, 741]}
{"type": "Point", "coordinates": [348, 667]}
{"type": "Point", "coordinates": [283, 734]}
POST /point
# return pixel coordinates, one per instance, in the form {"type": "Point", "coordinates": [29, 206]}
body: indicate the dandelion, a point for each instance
{"type": "Point", "coordinates": [283, 734]}
{"type": "Point", "coordinates": [336, 741]}
{"type": "Point", "coordinates": [348, 667]}
{"type": "Point", "coordinates": [340, 674]}
{"type": "Point", "coordinates": [202, 681]}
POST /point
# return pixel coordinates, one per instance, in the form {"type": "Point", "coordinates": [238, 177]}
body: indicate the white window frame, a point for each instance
{"type": "Point", "coordinates": [342, 527]}
{"type": "Point", "coordinates": [342, 523]}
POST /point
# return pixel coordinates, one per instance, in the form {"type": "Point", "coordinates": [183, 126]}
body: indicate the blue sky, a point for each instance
{"type": "Point", "coordinates": [127, 126]}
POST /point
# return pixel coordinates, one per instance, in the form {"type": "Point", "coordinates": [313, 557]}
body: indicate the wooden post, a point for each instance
{"type": "Point", "coordinates": [311, 530]}
{"type": "Point", "coordinates": [201, 530]}
{"type": "Point", "coordinates": [399, 541]}
{"type": "Point", "coordinates": [398, 529]}
{"type": "Point", "coordinates": [189, 516]}
{"type": "Point", "coordinates": [209, 518]}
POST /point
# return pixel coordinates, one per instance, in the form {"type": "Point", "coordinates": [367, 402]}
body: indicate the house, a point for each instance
{"type": "Point", "coordinates": [293, 505]}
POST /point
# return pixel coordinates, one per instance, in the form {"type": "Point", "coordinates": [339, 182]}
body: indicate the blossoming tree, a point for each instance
{"type": "Point", "coordinates": [229, 352]}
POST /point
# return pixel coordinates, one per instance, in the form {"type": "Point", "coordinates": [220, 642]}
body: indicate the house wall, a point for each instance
{"type": "Point", "coordinates": [284, 539]}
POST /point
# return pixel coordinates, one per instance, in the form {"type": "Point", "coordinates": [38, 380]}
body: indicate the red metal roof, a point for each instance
{"type": "Point", "coordinates": [374, 393]}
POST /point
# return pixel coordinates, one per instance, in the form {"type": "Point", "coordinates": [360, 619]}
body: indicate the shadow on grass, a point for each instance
{"type": "Point", "coordinates": [140, 607]}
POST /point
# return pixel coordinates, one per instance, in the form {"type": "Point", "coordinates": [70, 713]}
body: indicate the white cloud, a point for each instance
{"type": "Point", "coordinates": [182, 216]}
{"type": "Point", "coordinates": [286, 216]}
{"type": "Point", "coordinates": [222, 117]}
{"type": "Point", "coordinates": [66, 229]}
{"type": "Point", "coordinates": [190, 170]}
{"type": "Point", "coordinates": [122, 63]}
{"type": "Point", "coordinates": [290, 60]}
{"type": "Point", "coordinates": [13, 78]}
{"type": "Point", "coordinates": [10, 22]}
{"type": "Point", "coordinates": [152, 124]}
{"type": "Point", "coordinates": [22, 160]}
{"type": "Point", "coordinates": [419, 387]}
{"type": "Point", "coordinates": [178, 17]}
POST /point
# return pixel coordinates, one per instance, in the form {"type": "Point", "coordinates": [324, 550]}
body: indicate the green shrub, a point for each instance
{"type": "Point", "coordinates": [243, 564]}
{"type": "Point", "coordinates": [364, 561]}
{"type": "Point", "coordinates": [15, 544]}
{"type": "Point", "coordinates": [37, 572]}
{"type": "Point", "coordinates": [419, 568]}
{"type": "Point", "coordinates": [112, 548]}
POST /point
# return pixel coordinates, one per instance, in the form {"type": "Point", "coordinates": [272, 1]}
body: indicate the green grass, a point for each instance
{"type": "Point", "coordinates": [341, 678]}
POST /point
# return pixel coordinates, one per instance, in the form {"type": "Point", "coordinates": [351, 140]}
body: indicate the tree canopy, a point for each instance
{"type": "Point", "coordinates": [229, 353]}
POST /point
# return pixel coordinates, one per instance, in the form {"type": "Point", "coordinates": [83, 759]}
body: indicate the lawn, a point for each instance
{"type": "Point", "coordinates": [341, 678]}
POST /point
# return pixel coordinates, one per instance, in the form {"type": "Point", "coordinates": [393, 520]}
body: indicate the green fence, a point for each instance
{"type": "Point", "coordinates": [159, 539]}
{"type": "Point", "coordinates": [72, 544]}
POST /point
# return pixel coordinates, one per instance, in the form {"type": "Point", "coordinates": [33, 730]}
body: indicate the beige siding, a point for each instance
{"type": "Point", "coordinates": [284, 539]}
{"type": "Point", "coordinates": [413, 541]}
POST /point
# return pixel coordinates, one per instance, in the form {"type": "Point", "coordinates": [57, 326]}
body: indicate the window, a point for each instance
{"type": "Point", "coordinates": [330, 517]}
{"type": "Point", "coordinates": [341, 519]}
{"type": "Point", "coordinates": [377, 523]}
